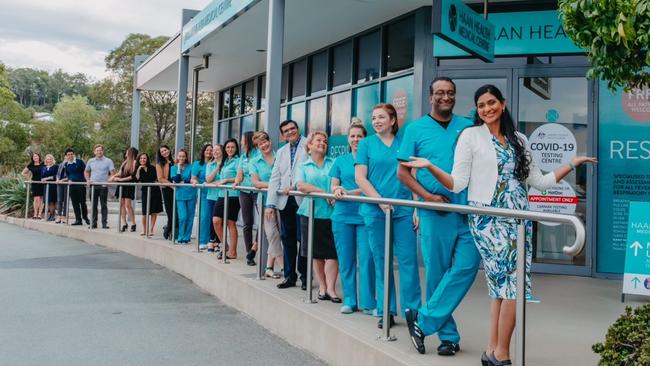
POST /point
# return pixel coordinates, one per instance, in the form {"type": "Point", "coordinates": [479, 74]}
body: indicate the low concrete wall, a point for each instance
{"type": "Point", "coordinates": [323, 333]}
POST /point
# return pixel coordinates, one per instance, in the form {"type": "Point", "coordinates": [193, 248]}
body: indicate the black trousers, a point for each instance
{"type": "Point", "coordinates": [100, 193]}
{"type": "Point", "coordinates": [247, 204]}
{"type": "Point", "coordinates": [289, 234]}
{"type": "Point", "coordinates": [168, 202]}
{"type": "Point", "coordinates": [78, 198]}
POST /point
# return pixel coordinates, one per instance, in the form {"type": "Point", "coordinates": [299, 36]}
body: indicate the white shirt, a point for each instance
{"type": "Point", "coordinates": [475, 165]}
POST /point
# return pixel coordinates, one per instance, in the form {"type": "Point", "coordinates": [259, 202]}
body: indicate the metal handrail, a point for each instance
{"type": "Point", "coordinates": [571, 250]}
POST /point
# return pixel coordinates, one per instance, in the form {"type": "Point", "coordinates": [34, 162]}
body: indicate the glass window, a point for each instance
{"type": "Point", "coordinates": [260, 121]}
{"type": "Point", "coordinates": [262, 93]}
{"type": "Point", "coordinates": [249, 99]}
{"type": "Point", "coordinates": [365, 98]}
{"type": "Point", "coordinates": [318, 72]}
{"type": "Point", "coordinates": [342, 64]}
{"type": "Point", "coordinates": [223, 132]}
{"type": "Point", "coordinates": [369, 57]}
{"type": "Point", "coordinates": [284, 85]}
{"type": "Point", "coordinates": [283, 113]}
{"type": "Point", "coordinates": [225, 104]}
{"type": "Point", "coordinates": [340, 109]}
{"type": "Point", "coordinates": [248, 123]}
{"type": "Point", "coordinates": [400, 45]}
{"type": "Point", "coordinates": [318, 114]}
{"type": "Point", "coordinates": [297, 113]}
{"type": "Point", "coordinates": [298, 84]}
{"type": "Point", "coordinates": [235, 128]}
{"type": "Point", "coordinates": [399, 93]}
{"type": "Point", "coordinates": [236, 100]}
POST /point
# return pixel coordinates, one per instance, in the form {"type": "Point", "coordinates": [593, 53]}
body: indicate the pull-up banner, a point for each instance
{"type": "Point", "coordinates": [458, 24]}
{"type": "Point", "coordinates": [636, 279]}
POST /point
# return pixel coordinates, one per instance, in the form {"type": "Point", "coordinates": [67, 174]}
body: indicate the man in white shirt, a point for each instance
{"type": "Point", "coordinates": [287, 159]}
{"type": "Point", "coordinates": [98, 169]}
{"type": "Point", "coordinates": [448, 251]}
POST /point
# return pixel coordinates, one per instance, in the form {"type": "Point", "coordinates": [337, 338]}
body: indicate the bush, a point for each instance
{"type": "Point", "coordinates": [628, 340]}
{"type": "Point", "coordinates": [12, 196]}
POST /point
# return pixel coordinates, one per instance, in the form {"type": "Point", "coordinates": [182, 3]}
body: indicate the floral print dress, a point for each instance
{"type": "Point", "coordinates": [496, 237]}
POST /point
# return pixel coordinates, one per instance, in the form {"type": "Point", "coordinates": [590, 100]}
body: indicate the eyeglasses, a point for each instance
{"type": "Point", "coordinates": [289, 129]}
{"type": "Point", "coordinates": [441, 94]}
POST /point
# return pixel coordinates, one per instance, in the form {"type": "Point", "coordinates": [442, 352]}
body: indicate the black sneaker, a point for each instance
{"type": "Point", "coordinates": [448, 348]}
{"type": "Point", "coordinates": [380, 323]}
{"type": "Point", "coordinates": [417, 336]}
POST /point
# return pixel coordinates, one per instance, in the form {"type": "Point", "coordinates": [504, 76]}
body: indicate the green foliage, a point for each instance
{"type": "Point", "coordinates": [14, 128]}
{"type": "Point", "coordinates": [43, 90]}
{"type": "Point", "coordinates": [12, 196]}
{"type": "Point", "coordinates": [616, 35]}
{"type": "Point", "coordinates": [628, 340]}
{"type": "Point", "coordinates": [73, 126]}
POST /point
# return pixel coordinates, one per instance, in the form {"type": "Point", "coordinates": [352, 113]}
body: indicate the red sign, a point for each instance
{"type": "Point", "coordinates": [565, 200]}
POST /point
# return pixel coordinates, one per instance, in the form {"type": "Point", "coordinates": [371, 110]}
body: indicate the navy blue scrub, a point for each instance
{"type": "Point", "coordinates": [448, 251]}
{"type": "Point", "coordinates": [382, 174]}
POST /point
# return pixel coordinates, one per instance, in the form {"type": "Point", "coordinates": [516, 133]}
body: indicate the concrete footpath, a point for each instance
{"type": "Point", "coordinates": [68, 303]}
{"type": "Point", "coordinates": [575, 311]}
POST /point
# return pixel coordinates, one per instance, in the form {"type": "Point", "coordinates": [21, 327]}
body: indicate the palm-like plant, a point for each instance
{"type": "Point", "coordinates": [12, 196]}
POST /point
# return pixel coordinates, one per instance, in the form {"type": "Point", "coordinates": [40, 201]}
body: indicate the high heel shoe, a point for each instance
{"type": "Point", "coordinates": [123, 228]}
{"type": "Point", "coordinates": [485, 360]}
{"type": "Point", "coordinates": [133, 228]}
{"type": "Point", "coordinates": [494, 362]}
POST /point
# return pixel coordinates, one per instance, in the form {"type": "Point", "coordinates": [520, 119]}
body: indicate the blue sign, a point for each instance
{"type": "Point", "coordinates": [458, 24]}
{"type": "Point", "coordinates": [636, 279]}
{"type": "Point", "coordinates": [520, 33]}
{"type": "Point", "coordinates": [213, 17]}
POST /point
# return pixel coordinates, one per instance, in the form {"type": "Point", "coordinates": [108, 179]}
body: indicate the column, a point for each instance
{"type": "Point", "coordinates": [274, 50]}
{"type": "Point", "coordinates": [135, 104]}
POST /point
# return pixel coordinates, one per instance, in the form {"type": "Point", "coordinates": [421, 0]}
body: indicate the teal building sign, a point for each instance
{"type": "Point", "coordinates": [520, 33]}
{"type": "Point", "coordinates": [636, 279]}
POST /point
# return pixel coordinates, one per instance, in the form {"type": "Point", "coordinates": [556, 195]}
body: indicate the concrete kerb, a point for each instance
{"type": "Point", "coordinates": [309, 327]}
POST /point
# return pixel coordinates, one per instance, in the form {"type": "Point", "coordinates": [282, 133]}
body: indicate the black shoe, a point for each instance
{"type": "Point", "coordinates": [287, 284]}
{"type": "Point", "coordinates": [165, 235]}
{"type": "Point", "coordinates": [133, 228]}
{"type": "Point", "coordinates": [250, 255]}
{"type": "Point", "coordinates": [380, 323]}
{"type": "Point", "coordinates": [76, 223]}
{"type": "Point", "coordinates": [104, 226]}
{"type": "Point", "coordinates": [448, 348]}
{"type": "Point", "coordinates": [417, 336]}
{"type": "Point", "coordinates": [250, 262]}
{"type": "Point", "coordinates": [123, 228]}
{"type": "Point", "coordinates": [93, 226]}
{"type": "Point", "coordinates": [303, 286]}
{"type": "Point", "coordinates": [485, 360]}
{"type": "Point", "coordinates": [87, 221]}
{"type": "Point", "coordinates": [494, 362]}
{"type": "Point", "coordinates": [324, 297]}
{"type": "Point", "coordinates": [335, 299]}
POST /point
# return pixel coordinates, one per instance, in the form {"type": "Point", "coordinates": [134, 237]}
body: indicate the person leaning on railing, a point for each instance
{"type": "Point", "coordinates": [33, 171]}
{"type": "Point", "coordinates": [350, 234]}
{"type": "Point", "coordinates": [74, 171]}
{"type": "Point", "coordinates": [260, 168]}
{"type": "Point", "coordinates": [61, 194]}
{"type": "Point", "coordinates": [493, 160]}
{"type": "Point", "coordinates": [198, 177]}
{"type": "Point", "coordinates": [181, 172]}
{"type": "Point", "coordinates": [247, 199]}
{"type": "Point", "coordinates": [146, 173]}
{"type": "Point", "coordinates": [376, 175]}
{"type": "Point", "coordinates": [164, 162]}
{"type": "Point", "coordinates": [227, 175]}
{"type": "Point", "coordinates": [48, 174]}
{"type": "Point", "coordinates": [212, 170]}
{"type": "Point", "coordinates": [126, 174]}
{"type": "Point", "coordinates": [98, 169]}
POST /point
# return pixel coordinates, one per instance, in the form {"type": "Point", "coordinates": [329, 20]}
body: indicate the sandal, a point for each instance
{"type": "Point", "coordinates": [324, 297]}
{"type": "Point", "coordinates": [269, 272]}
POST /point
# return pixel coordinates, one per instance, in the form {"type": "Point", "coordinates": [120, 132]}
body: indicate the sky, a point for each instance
{"type": "Point", "coordinates": [75, 36]}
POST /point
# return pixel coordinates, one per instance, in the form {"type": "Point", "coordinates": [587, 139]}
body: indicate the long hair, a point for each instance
{"type": "Point", "coordinates": [148, 164]}
{"type": "Point", "coordinates": [507, 129]}
{"type": "Point", "coordinates": [392, 115]}
{"type": "Point", "coordinates": [221, 148]}
{"type": "Point", "coordinates": [129, 165]}
{"type": "Point", "coordinates": [162, 161]}
{"type": "Point", "coordinates": [202, 160]}
{"type": "Point", "coordinates": [31, 160]}
{"type": "Point", "coordinates": [248, 137]}
{"type": "Point", "coordinates": [234, 141]}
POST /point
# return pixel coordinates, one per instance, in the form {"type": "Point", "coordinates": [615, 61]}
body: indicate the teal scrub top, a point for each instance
{"type": "Point", "coordinates": [310, 172]}
{"type": "Point", "coordinates": [185, 176]}
{"type": "Point", "coordinates": [244, 165]}
{"type": "Point", "coordinates": [426, 138]}
{"type": "Point", "coordinates": [198, 171]}
{"type": "Point", "coordinates": [213, 193]}
{"type": "Point", "coordinates": [345, 211]}
{"type": "Point", "coordinates": [263, 170]}
{"type": "Point", "coordinates": [229, 170]}
{"type": "Point", "coordinates": [382, 174]}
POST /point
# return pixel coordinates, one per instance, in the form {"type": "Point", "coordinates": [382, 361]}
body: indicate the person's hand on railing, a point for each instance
{"type": "Point", "coordinates": [338, 192]}
{"type": "Point", "coordinates": [286, 191]}
{"type": "Point", "coordinates": [384, 207]}
{"type": "Point", "coordinates": [416, 220]}
{"type": "Point", "coordinates": [194, 182]}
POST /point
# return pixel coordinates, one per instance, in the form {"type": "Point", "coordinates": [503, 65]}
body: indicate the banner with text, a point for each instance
{"type": "Point", "coordinates": [637, 250]}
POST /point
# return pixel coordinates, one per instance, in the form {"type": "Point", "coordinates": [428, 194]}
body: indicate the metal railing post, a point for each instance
{"type": "Point", "coordinates": [520, 322]}
{"type": "Point", "coordinates": [260, 238]}
{"type": "Point", "coordinates": [147, 218]}
{"type": "Point", "coordinates": [119, 205]}
{"type": "Point", "coordinates": [198, 226]}
{"type": "Point", "coordinates": [173, 223]}
{"type": "Point", "coordinates": [46, 204]}
{"type": "Point", "coordinates": [27, 187]}
{"type": "Point", "coordinates": [224, 250]}
{"type": "Point", "coordinates": [310, 254]}
{"type": "Point", "coordinates": [388, 273]}
{"type": "Point", "coordinates": [67, 203]}
{"type": "Point", "coordinates": [94, 216]}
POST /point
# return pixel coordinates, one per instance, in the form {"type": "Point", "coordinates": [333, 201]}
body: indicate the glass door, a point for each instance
{"type": "Point", "coordinates": [553, 108]}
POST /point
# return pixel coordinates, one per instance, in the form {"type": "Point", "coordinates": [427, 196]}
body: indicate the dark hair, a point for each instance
{"type": "Point", "coordinates": [225, 155]}
{"type": "Point", "coordinates": [148, 160]}
{"type": "Point", "coordinates": [31, 159]}
{"type": "Point", "coordinates": [159, 158]}
{"type": "Point", "coordinates": [507, 129]}
{"type": "Point", "coordinates": [248, 137]}
{"type": "Point", "coordinates": [392, 114]}
{"type": "Point", "coordinates": [221, 147]}
{"type": "Point", "coordinates": [130, 157]}
{"type": "Point", "coordinates": [440, 78]}
{"type": "Point", "coordinates": [68, 150]}
{"type": "Point", "coordinates": [284, 123]}
{"type": "Point", "coordinates": [202, 160]}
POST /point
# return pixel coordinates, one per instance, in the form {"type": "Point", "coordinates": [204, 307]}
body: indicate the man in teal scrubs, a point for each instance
{"type": "Point", "coordinates": [448, 251]}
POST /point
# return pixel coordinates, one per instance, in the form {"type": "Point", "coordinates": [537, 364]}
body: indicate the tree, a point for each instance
{"type": "Point", "coordinates": [616, 35]}
{"type": "Point", "coordinates": [14, 127]}
{"type": "Point", "coordinates": [43, 90]}
{"type": "Point", "coordinates": [73, 126]}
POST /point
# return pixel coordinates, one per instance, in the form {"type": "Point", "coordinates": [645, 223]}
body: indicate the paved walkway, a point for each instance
{"type": "Point", "coordinates": [64, 302]}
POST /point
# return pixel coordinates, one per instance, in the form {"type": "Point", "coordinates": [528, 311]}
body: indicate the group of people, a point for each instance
{"type": "Point", "coordinates": [441, 157]}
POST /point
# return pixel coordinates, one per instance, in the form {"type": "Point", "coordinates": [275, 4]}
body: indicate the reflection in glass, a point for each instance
{"type": "Point", "coordinates": [225, 104]}
{"type": "Point", "coordinates": [340, 109]}
{"type": "Point", "coordinates": [318, 114]}
{"type": "Point", "coordinates": [262, 93]}
{"type": "Point", "coordinates": [318, 72]}
{"type": "Point", "coordinates": [365, 98]}
{"type": "Point", "coordinates": [284, 86]}
{"type": "Point", "coordinates": [249, 99]}
{"type": "Point", "coordinates": [283, 113]}
{"type": "Point", "coordinates": [236, 100]}
{"type": "Point", "coordinates": [299, 85]}
{"type": "Point", "coordinates": [297, 113]}
{"type": "Point", "coordinates": [369, 57]}
{"type": "Point", "coordinates": [260, 121]}
{"type": "Point", "coordinates": [223, 131]}
{"type": "Point", "coordinates": [400, 45]}
{"type": "Point", "coordinates": [341, 64]}
{"type": "Point", "coordinates": [248, 123]}
{"type": "Point", "coordinates": [235, 128]}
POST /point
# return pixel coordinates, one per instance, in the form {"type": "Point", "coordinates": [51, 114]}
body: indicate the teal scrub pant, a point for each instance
{"type": "Point", "coordinates": [451, 261]}
{"type": "Point", "coordinates": [405, 249]}
{"type": "Point", "coordinates": [205, 217]}
{"type": "Point", "coordinates": [351, 243]}
{"type": "Point", "coordinates": [185, 214]}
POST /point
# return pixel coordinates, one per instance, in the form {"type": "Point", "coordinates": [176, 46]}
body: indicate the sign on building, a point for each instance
{"type": "Point", "coordinates": [636, 279]}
